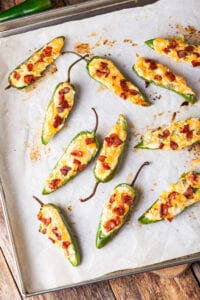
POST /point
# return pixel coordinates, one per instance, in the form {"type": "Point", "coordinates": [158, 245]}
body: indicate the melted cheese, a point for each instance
{"type": "Point", "coordinates": [112, 80]}
{"type": "Point", "coordinates": [78, 144]}
{"type": "Point", "coordinates": [38, 67]}
{"type": "Point", "coordinates": [48, 211]}
{"type": "Point", "coordinates": [179, 203]}
{"type": "Point", "coordinates": [179, 84]}
{"type": "Point", "coordinates": [52, 111]}
{"type": "Point", "coordinates": [108, 212]}
{"type": "Point", "coordinates": [160, 44]}
{"type": "Point", "coordinates": [112, 153]}
{"type": "Point", "coordinates": [152, 140]}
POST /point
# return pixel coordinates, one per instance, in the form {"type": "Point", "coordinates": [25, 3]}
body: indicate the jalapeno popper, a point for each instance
{"type": "Point", "coordinates": [59, 107]}
{"type": "Point", "coordinates": [110, 154]}
{"type": "Point", "coordinates": [55, 226]}
{"type": "Point", "coordinates": [160, 75]}
{"type": "Point", "coordinates": [116, 211]}
{"type": "Point", "coordinates": [174, 200]}
{"type": "Point", "coordinates": [177, 49]}
{"type": "Point", "coordinates": [105, 72]}
{"type": "Point", "coordinates": [33, 68]}
{"type": "Point", "coordinates": [79, 153]}
{"type": "Point", "coordinates": [177, 136]}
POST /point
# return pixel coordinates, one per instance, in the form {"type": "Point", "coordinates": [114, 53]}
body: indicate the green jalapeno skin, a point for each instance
{"type": "Point", "coordinates": [176, 136]}
{"type": "Point", "coordinates": [29, 71]}
{"type": "Point", "coordinates": [174, 200]}
{"type": "Point", "coordinates": [160, 75]}
{"type": "Point", "coordinates": [116, 212]}
{"type": "Point", "coordinates": [111, 152]}
{"type": "Point", "coordinates": [55, 225]}
{"type": "Point", "coordinates": [59, 108]}
{"type": "Point", "coordinates": [79, 153]}
{"type": "Point", "coordinates": [177, 49]}
{"type": "Point", "coordinates": [24, 9]}
{"type": "Point", "coordinates": [105, 72]}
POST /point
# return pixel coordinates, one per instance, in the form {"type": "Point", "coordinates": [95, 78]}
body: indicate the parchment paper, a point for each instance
{"type": "Point", "coordinates": [26, 163]}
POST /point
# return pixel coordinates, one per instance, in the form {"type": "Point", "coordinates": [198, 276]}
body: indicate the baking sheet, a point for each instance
{"type": "Point", "coordinates": [25, 163]}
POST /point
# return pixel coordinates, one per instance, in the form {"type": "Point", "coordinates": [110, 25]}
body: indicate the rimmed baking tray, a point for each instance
{"type": "Point", "coordinates": [57, 16]}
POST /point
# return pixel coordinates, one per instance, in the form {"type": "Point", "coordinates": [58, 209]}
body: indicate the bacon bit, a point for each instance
{"type": "Point", "coordinates": [57, 121]}
{"type": "Point", "coordinates": [103, 65]}
{"type": "Point", "coordinates": [152, 64]}
{"type": "Point", "coordinates": [109, 225]}
{"type": "Point", "coordinates": [195, 63]}
{"type": "Point", "coordinates": [53, 241]}
{"type": "Point", "coordinates": [172, 196]}
{"type": "Point", "coordinates": [166, 50]}
{"type": "Point", "coordinates": [112, 198]}
{"type": "Point", "coordinates": [104, 70]}
{"type": "Point", "coordinates": [101, 158]}
{"type": "Point", "coordinates": [164, 134]}
{"type": "Point", "coordinates": [158, 77]}
{"type": "Point", "coordinates": [76, 161]}
{"type": "Point", "coordinates": [126, 199]}
{"type": "Point", "coordinates": [113, 140]}
{"type": "Point", "coordinates": [82, 167]}
{"type": "Point", "coordinates": [124, 85]}
{"type": "Point", "coordinates": [187, 131]}
{"type": "Point", "coordinates": [105, 166]}
{"type": "Point", "coordinates": [161, 146]}
{"type": "Point", "coordinates": [63, 91]}
{"type": "Point", "coordinates": [123, 96]}
{"type": "Point", "coordinates": [41, 59]}
{"type": "Point", "coordinates": [147, 84]}
{"type": "Point", "coordinates": [181, 53]}
{"type": "Point", "coordinates": [64, 170]}
{"type": "Point", "coordinates": [117, 220]}
{"type": "Point", "coordinates": [185, 103]}
{"type": "Point", "coordinates": [57, 233]}
{"type": "Point", "coordinates": [189, 193]}
{"type": "Point", "coordinates": [29, 67]}
{"type": "Point", "coordinates": [89, 141]}
{"type": "Point", "coordinates": [119, 210]}
{"type": "Point", "coordinates": [45, 221]}
{"type": "Point", "coordinates": [44, 231]}
{"type": "Point", "coordinates": [172, 44]}
{"type": "Point", "coordinates": [193, 177]}
{"type": "Point", "coordinates": [163, 210]}
{"type": "Point", "coordinates": [66, 244]}
{"type": "Point", "coordinates": [29, 79]}
{"type": "Point", "coordinates": [47, 51]}
{"type": "Point", "coordinates": [189, 48]}
{"type": "Point", "coordinates": [16, 75]}
{"type": "Point", "coordinates": [114, 77]}
{"type": "Point", "coordinates": [170, 219]}
{"type": "Point", "coordinates": [173, 145]}
{"type": "Point", "coordinates": [133, 92]}
{"type": "Point", "coordinates": [170, 76]}
{"type": "Point", "coordinates": [62, 106]}
{"type": "Point", "coordinates": [54, 183]}
{"type": "Point", "coordinates": [77, 153]}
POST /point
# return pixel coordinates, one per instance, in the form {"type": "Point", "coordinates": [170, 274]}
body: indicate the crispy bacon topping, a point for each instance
{"type": "Point", "coordinates": [182, 53]}
{"type": "Point", "coordinates": [63, 104]}
{"type": "Point", "coordinates": [161, 146]}
{"type": "Point", "coordinates": [133, 92]}
{"type": "Point", "coordinates": [64, 170]}
{"type": "Point", "coordinates": [189, 48]}
{"type": "Point", "coordinates": [170, 76]}
{"type": "Point", "coordinates": [112, 198]}
{"type": "Point", "coordinates": [45, 221]}
{"type": "Point", "coordinates": [187, 131]}
{"type": "Point", "coordinates": [193, 177]}
{"type": "Point", "coordinates": [89, 141]}
{"type": "Point", "coordinates": [166, 50]}
{"type": "Point", "coordinates": [119, 210]}
{"type": "Point", "coordinates": [113, 140]}
{"type": "Point", "coordinates": [54, 183]}
{"type": "Point", "coordinates": [173, 145]}
{"type": "Point", "coordinates": [158, 77]}
{"type": "Point", "coordinates": [47, 51]}
{"type": "Point", "coordinates": [76, 161]}
{"type": "Point", "coordinates": [65, 90]}
{"type": "Point", "coordinates": [172, 44]}
{"type": "Point", "coordinates": [189, 193]}
{"type": "Point", "coordinates": [123, 96]}
{"type": "Point", "coordinates": [124, 85]}
{"type": "Point", "coordinates": [126, 199]}
{"type": "Point", "coordinates": [111, 224]}
{"type": "Point", "coordinates": [29, 67]}
{"type": "Point", "coordinates": [82, 167]}
{"type": "Point", "coordinates": [66, 244]}
{"type": "Point", "coordinates": [104, 70]}
{"type": "Point", "coordinates": [44, 231]}
{"type": "Point", "coordinates": [77, 153]}
{"type": "Point", "coordinates": [172, 196]}
{"type": "Point", "coordinates": [57, 121]}
{"type": "Point", "coordinates": [196, 63]}
{"type": "Point", "coordinates": [164, 134]}
{"type": "Point", "coordinates": [152, 64]}
{"type": "Point", "coordinates": [163, 210]}
{"type": "Point", "coordinates": [101, 158]}
{"type": "Point", "coordinates": [29, 79]}
{"type": "Point", "coordinates": [105, 166]}
{"type": "Point", "coordinates": [57, 233]}
{"type": "Point", "coordinates": [16, 75]}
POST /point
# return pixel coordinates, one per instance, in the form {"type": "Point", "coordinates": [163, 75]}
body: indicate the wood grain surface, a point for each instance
{"type": "Point", "coordinates": [147, 286]}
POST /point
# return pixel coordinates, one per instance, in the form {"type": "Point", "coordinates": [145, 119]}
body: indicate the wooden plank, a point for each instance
{"type": "Point", "coordinates": [149, 286]}
{"type": "Point", "coordinates": [8, 288]}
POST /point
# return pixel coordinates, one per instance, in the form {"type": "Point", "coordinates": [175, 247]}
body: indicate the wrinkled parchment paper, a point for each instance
{"type": "Point", "coordinates": [26, 163]}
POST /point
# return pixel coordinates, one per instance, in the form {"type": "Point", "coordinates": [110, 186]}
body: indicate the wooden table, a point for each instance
{"type": "Point", "coordinates": [142, 286]}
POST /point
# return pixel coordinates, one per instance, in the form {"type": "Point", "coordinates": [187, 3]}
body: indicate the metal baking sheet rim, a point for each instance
{"type": "Point", "coordinates": [46, 19]}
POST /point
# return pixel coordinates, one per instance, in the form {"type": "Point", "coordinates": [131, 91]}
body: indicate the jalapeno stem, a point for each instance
{"type": "Point", "coordinates": [146, 163]}
{"type": "Point", "coordinates": [38, 200]}
{"type": "Point", "coordinates": [73, 64]}
{"type": "Point", "coordinates": [92, 194]}
{"type": "Point", "coordinates": [97, 120]}
{"type": "Point", "coordinates": [75, 53]}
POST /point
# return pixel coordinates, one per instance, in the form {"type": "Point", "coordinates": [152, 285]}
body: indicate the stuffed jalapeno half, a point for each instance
{"type": "Point", "coordinates": [104, 71]}
{"type": "Point", "coordinates": [177, 49]}
{"type": "Point", "coordinates": [160, 75]}
{"type": "Point", "coordinates": [175, 199]}
{"type": "Point", "coordinates": [33, 68]}
{"type": "Point", "coordinates": [176, 136]}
